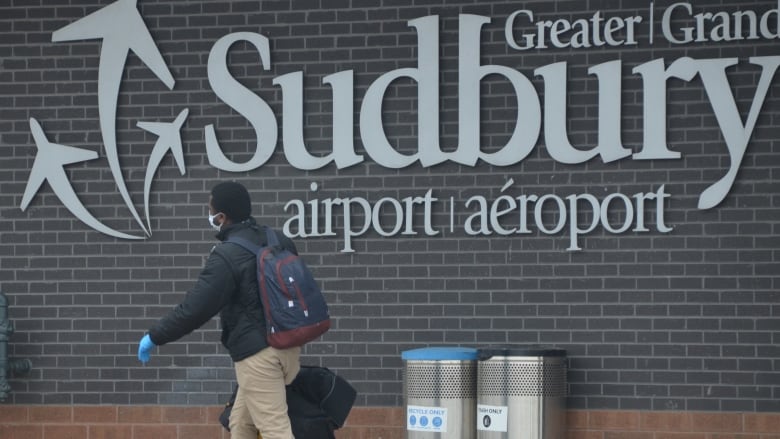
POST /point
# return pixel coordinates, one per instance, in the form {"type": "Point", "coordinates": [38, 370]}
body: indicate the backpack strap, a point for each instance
{"type": "Point", "coordinates": [273, 240]}
{"type": "Point", "coordinates": [246, 244]}
{"type": "Point", "coordinates": [270, 235]}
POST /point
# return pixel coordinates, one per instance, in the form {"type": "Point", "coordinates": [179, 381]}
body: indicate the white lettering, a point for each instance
{"type": "Point", "coordinates": [654, 79]}
{"type": "Point", "coordinates": [718, 26]}
{"type": "Point", "coordinates": [529, 113]}
{"type": "Point", "coordinates": [581, 33]}
{"type": "Point", "coordinates": [400, 214]}
{"type": "Point", "coordinates": [629, 213]}
{"type": "Point", "coordinates": [509, 33]}
{"type": "Point", "coordinates": [561, 214]}
{"type": "Point", "coordinates": [426, 75]}
{"type": "Point", "coordinates": [343, 152]}
{"type": "Point", "coordinates": [737, 135]}
{"type": "Point", "coordinates": [574, 228]}
{"type": "Point", "coordinates": [551, 214]}
{"type": "Point", "coordinates": [390, 216]}
{"type": "Point", "coordinates": [555, 125]}
{"type": "Point", "coordinates": [241, 99]}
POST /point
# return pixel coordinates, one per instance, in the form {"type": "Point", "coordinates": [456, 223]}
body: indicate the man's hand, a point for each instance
{"type": "Point", "coordinates": [145, 349]}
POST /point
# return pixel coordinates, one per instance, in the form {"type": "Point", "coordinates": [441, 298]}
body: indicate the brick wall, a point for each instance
{"type": "Point", "coordinates": [142, 422]}
{"type": "Point", "coordinates": [685, 320]}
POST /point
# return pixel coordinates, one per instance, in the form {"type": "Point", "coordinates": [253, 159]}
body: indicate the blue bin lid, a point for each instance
{"type": "Point", "coordinates": [440, 353]}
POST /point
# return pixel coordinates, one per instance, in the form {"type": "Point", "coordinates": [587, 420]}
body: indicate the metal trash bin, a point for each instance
{"type": "Point", "coordinates": [440, 390]}
{"type": "Point", "coordinates": [521, 393]}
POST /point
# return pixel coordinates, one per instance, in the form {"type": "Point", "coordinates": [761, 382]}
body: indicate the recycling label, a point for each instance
{"type": "Point", "coordinates": [432, 419]}
{"type": "Point", "coordinates": [492, 418]}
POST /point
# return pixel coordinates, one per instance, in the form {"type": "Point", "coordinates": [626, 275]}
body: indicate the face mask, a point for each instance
{"type": "Point", "coordinates": [214, 225]}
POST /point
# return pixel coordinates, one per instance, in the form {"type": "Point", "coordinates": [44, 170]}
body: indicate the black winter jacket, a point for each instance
{"type": "Point", "coordinates": [227, 285]}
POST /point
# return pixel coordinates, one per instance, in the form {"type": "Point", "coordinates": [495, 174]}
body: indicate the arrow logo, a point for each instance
{"type": "Point", "coordinates": [49, 166]}
{"type": "Point", "coordinates": [122, 29]}
{"type": "Point", "coordinates": [168, 138]}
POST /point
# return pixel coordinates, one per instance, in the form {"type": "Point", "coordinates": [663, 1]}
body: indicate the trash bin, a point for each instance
{"type": "Point", "coordinates": [440, 390]}
{"type": "Point", "coordinates": [521, 393]}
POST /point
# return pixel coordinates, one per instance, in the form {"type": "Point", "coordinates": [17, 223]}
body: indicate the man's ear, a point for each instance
{"type": "Point", "coordinates": [225, 220]}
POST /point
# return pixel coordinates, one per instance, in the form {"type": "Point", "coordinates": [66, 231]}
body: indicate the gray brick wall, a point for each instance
{"type": "Point", "coordinates": [686, 320]}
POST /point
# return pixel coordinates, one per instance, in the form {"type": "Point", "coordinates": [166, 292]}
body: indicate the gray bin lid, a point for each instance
{"type": "Point", "coordinates": [489, 352]}
{"type": "Point", "coordinates": [440, 354]}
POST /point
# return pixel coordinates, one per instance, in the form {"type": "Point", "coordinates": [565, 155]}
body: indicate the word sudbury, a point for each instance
{"type": "Point", "coordinates": [577, 214]}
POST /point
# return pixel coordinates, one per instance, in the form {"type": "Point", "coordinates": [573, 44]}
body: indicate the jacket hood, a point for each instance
{"type": "Point", "coordinates": [232, 228]}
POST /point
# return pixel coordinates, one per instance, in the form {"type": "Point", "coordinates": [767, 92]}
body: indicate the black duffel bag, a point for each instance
{"type": "Point", "coordinates": [318, 402]}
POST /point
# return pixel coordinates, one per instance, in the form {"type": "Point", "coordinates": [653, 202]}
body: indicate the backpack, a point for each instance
{"type": "Point", "coordinates": [294, 307]}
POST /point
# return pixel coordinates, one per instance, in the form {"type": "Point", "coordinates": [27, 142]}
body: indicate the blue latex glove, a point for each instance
{"type": "Point", "coordinates": [145, 349]}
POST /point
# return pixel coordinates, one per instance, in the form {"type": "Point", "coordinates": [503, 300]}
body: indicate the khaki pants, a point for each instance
{"type": "Point", "coordinates": [261, 402]}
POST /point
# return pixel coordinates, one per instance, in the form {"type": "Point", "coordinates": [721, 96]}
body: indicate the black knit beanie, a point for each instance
{"type": "Point", "coordinates": [232, 199]}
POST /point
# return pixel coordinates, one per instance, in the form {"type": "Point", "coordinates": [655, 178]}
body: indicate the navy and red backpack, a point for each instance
{"type": "Point", "coordinates": [295, 309]}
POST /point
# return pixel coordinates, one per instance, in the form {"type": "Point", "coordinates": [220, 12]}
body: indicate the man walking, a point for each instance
{"type": "Point", "coordinates": [228, 285]}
